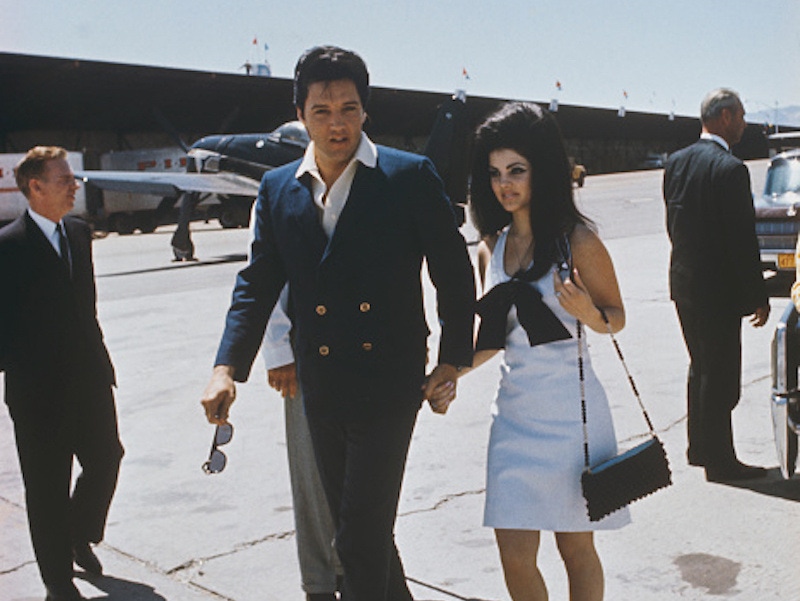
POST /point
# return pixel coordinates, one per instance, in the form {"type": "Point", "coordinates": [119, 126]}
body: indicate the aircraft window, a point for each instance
{"type": "Point", "coordinates": [293, 133]}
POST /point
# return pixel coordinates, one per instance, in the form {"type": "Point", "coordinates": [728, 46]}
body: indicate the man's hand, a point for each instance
{"type": "Point", "coordinates": [440, 387]}
{"type": "Point", "coordinates": [760, 317]}
{"type": "Point", "coordinates": [284, 379]}
{"type": "Point", "coordinates": [219, 395]}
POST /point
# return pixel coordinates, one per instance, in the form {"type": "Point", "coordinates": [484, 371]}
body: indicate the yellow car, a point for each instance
{"type": "Point", "coordinates": [578, 173]}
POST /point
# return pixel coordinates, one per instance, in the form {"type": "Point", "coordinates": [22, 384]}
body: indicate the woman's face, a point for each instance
{"type": "Point", "coordinates": [510, 176]}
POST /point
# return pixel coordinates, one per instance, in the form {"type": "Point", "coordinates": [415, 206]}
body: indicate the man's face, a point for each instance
{"type": "Point", "coordinates": [734, 124]}
{"type": "Point", "coordinates": [53, 193]}
{"type": "Point", "coordinates": [333, 116]}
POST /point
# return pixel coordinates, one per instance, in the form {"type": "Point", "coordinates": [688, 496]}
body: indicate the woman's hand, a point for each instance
{"type": "Point", "coordinates": [592, 285]}
{"type": "Point", "coordinates": [572, 295]}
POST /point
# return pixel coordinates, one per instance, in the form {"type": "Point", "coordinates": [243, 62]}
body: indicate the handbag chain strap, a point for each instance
{"type": "Point", "coordinates": [583, 385]}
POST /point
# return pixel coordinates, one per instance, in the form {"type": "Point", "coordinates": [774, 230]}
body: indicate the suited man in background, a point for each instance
{"type": "Point", "coordinates": [348, 226]}
{"type": "Point", "coordinates": [715, 278]}
{"type": "Point", "coordinates": [58, 374]}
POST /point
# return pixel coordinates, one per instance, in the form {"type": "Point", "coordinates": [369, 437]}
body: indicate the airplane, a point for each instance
{"type": "Point", "coordinates": [231, 166]}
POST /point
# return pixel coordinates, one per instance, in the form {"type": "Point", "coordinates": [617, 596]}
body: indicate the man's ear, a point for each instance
{"type": "Point", "coordinates": [34, 185]}
{"type": "Point", "coordinates": [300, 114]}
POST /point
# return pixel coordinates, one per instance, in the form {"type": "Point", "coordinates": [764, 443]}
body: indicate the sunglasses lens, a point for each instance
{"type": "Point", "coordinates": [224, 434]}
{"type": "Point", "coordinates": [216, 462]}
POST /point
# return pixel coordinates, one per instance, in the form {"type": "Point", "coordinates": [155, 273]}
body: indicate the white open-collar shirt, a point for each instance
{"type": "Point", "coordinates": [331, 202]}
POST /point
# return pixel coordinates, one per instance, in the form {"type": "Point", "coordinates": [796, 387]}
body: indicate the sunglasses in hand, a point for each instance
{"type": "Point", "coordinates": [216, 458]}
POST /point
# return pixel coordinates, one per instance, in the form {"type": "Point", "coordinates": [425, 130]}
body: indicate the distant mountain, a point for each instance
{"type": "Point", "coordinates": [787, 115]}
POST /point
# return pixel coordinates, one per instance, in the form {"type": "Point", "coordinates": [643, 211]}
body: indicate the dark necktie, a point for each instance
{"type": "Point", "coordinates": [63, 248]}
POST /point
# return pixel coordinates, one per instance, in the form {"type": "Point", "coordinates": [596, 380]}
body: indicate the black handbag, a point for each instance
{"type": "Point", "coordinates": [631, 475]}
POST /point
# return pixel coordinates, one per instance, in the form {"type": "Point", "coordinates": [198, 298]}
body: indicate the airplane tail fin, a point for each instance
{"type": "Point", "coordinates": [448, 148]}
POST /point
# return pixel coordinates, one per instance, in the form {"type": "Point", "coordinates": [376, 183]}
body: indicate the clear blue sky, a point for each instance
{"type": "Point", "coordinates": [666, 55]}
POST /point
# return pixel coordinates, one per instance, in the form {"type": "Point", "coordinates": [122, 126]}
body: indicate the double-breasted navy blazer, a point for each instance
{"type": "Point", "coordinates": [356, 299]}
{"type": "Point", "coordinates": [51, 344]}
{"type": "Point", "coordinates": [715, 260]}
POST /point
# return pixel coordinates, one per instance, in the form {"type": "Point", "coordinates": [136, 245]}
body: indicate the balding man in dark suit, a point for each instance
{"type": "Point", "coordinates": [715, 278]}
{"type": "Point", "coordinates": [58, 374]}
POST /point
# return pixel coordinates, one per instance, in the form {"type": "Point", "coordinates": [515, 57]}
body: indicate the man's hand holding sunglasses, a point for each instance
{"type": "Point", "coordinates": [219, 395]}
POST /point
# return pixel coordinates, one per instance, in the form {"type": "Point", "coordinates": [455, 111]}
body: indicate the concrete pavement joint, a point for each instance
{"type": "Point", "coordinates": [443, 501]}
{"type": "Point", "coordinates": [193, 563]}
{"type": "Point", "coordinates": [170, 573]}
{"type": "Point", "coordinates": [12, 503]}
{"type": "Point", "coordinates": [17, 568]}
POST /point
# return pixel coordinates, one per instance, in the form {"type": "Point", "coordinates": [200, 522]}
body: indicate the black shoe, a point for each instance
{"type": "Point", "coordinates": [86, 559]}
{"type": "Point", "coordinates": [67, 593]}
{"type": "Point", "coordinates": [735, 472]}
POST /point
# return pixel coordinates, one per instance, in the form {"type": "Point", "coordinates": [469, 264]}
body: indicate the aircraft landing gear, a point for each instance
{"type": "Point", "coordinates": [182, 246]}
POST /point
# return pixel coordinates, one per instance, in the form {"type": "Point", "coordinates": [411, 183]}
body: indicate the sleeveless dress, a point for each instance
{"type": "Point", "coordinates": [535, 456]}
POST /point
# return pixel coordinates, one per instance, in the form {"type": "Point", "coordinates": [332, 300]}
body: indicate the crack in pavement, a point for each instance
{"type": "Point", "coordinates": [443, 501]}
{"type": "Point", "coordinates": [17, 568]}
{"type": "Point", "coordinates": [197, 562]}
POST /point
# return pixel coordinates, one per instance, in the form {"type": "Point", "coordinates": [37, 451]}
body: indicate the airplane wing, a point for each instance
{"type": "Point", "coordinates": [170, 183]}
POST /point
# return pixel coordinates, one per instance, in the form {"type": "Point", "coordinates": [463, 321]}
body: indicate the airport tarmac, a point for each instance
{"type": "Point", "coordinates": [177, 534]}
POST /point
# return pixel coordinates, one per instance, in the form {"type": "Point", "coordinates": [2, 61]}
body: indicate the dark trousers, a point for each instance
{"type": "Point", "coordinates": [362, 464]}
{"type": "Point", "coordinates": [713, 338]}
{"type": "Point", "coordinates": [56, 515]}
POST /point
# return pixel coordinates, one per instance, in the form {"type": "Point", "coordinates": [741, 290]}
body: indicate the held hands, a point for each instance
{"type": "Point", "coordinates": [284, 379]}
{"type": "Point", "coordinates": [219, 395]}
{"type": "Point", "coordinates": [440, 387]}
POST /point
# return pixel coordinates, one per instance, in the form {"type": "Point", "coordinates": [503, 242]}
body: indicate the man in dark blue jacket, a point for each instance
{"type": "Point", "coordinates": [349, 227]}
{"type": "Point", "coordinates": [715, 278]}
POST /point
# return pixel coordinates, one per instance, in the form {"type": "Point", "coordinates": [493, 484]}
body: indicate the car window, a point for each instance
{"type": "Point", "coordinates": [783, 177]}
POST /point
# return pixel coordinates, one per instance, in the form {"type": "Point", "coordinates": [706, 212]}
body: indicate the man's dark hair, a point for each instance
{"type": "Point", "coordinates": [533, 133]}
{"type": "Point", "coordinates": [329, 63]}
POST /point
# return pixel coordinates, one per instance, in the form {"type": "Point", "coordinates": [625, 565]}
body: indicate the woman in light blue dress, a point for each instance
{"type": "Point", "coordinates": [542, 267]}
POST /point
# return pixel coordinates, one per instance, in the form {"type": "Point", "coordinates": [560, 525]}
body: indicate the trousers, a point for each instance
{"type": "Point", "coordinates": [58, 516]}
{"type": "Point", "coordinates": [713, 339]}
{"type": "Point", "coordinates": [319, 565]}
{"type": "Point", "coordinates": [362, 462]}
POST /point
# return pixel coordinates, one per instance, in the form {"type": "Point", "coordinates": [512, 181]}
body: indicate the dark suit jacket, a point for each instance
{"type": "Point", "coordinates": [51, 345]}
{"type": "Point", "coordinates": [715, 260]}
{"type": "Point", "coordinates": [361, 335]}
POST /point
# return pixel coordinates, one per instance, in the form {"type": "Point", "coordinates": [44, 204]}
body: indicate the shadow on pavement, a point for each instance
{"type": "Point", "coordinates": [234, 258]}
{"type": "Point", "coordinates": [117, 589]}
{"type": "Point", "coordinates": [773, 485]}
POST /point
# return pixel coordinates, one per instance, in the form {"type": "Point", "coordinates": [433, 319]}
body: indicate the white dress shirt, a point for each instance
{"type": "Point", "coordinates": [331, 202]}
{"type": "Point", "coordinates": [48, 229]}
{"type": "Point", "coordinates": [715, 138]}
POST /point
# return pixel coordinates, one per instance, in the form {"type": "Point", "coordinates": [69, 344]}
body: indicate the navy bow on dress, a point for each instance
{"type": "Point", "coordinates": [537, 319]}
